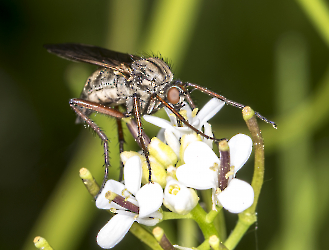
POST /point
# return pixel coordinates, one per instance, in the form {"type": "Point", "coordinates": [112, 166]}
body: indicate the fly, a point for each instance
{"type": "Point", "coordinates": [141, 85]}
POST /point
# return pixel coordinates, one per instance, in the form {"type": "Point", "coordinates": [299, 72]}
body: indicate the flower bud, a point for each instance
{"type": "Point", "coordinates": [178, 198]}
{"type": "Point", "coordinates": [159, 174]}
{"type": "Point", "coordinates": [162, 152]}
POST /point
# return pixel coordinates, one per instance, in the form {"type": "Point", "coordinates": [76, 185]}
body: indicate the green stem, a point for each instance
{"type": "Point", "coordinates": [199, 215]}
{"type": "Point", "coordinates": [211, 216]}
{"type": "Point", "coordinates": [174, 216]}
{"type": "Point", "coordinates": [248, 217]}
{"type": "Point", "coordinates": [258, 143]}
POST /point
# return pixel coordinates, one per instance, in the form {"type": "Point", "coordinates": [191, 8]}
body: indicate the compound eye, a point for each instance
{"type": "Point", "coordinates": [173, 95]}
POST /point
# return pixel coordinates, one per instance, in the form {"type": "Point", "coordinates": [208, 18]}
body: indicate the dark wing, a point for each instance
{"type": "Point", "coordinates": [94, 55]}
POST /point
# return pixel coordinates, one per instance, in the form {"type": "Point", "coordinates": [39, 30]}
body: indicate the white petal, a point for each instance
{"type": "Point", "coordinates": [240, 150]}
{"type": "Point", "coordinates": [171, 116]}
{"type": "Point", "coordinates": [196, 176]}
{"type": "Point", "coordinates": [113, 186]}
{"type": "Point", "coordinates": [209, 110]}
{"type": "Point", "coordinates": [162, 123]}
{"type": "Point", "coordinates": [149, 198]}
{"type": "Point", "coordinates": [237, 197]}
{"type": "Point", "coordinates": [133, 174]}
{"type": "Point", "coordinates": [172, 141]}
{"type": "Point", "coordinates": [161, 135]}
{"type": "Point", "coordinates": [199, 153]}
{"type": "Point", "coordinates": [208, 131]}
{"type": "Point", "coordinates": [152, 220]}
{"type": "Point", "coordinates": [114, 231]}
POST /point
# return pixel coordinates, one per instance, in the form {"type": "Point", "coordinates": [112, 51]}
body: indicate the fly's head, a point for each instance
{"type": "Point", "coordinates": [175, 95]}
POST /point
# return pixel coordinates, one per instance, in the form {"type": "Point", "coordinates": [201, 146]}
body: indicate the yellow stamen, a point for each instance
{"type": "Point", "coordinates": [174, 189]}
{"type": "Point", "coordinates": [110, 196]}
{"type": "Point", "coordinates": [231, 172]}
{"type": "Point", "coordinates": [214, 167]}
{"type": "Point", "coordinates": [194, 112]}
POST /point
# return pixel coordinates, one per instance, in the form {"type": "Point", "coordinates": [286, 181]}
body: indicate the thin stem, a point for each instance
{"type": "Point", "coordinates": [211, 216]}
{"type": "Point", "coordinates": [258, 142]}
{"type": "Point", "coordinates": [174, 216]}
{"type": "Point", "coordinates": [199, 215]}
{"type": "Point", "coordinates": [248, 217]}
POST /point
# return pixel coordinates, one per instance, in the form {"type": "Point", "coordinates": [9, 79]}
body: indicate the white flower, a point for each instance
{"type": "Point", "coordinates": [147, 200]}
{"type": "Point", "coordinates": [198, 121]}
{"type": "Point", "coordinates": [200, 171]}
{"type": "Point", "coordinates": [178, 198]}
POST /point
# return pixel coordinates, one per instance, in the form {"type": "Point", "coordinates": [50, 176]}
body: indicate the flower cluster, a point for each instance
{"type": "Point", "coordinates": [181, 162]}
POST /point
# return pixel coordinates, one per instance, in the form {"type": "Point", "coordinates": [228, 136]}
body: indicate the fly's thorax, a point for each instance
{"type": "Point", "coordinates": [106, 86]}
{"type": "Point", "coordinates": [150, 75]}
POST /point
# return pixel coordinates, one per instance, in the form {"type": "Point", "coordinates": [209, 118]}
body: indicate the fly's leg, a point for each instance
{"type": "Point", "coordinates": [121, 142]}
{"type": "Point", "coordinates": [140, 132]}
{"type": "Point", "coordinates": [133, 129]}
{"type": "Point", "coordinates": [183, 120]}
{"type": "Point", "coordinates": [187, 96]}
{"type": "Point", "coordinates": [227, 101]}
{"type": "Point", "coordinates": [76, 103]}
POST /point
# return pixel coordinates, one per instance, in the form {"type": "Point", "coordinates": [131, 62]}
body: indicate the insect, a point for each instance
{"type": "Point", "coordinates": [141, 85]}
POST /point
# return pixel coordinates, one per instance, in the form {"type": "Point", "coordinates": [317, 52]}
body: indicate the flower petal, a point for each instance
{"type": "Point", "coordinates": [209, 110]}
{"type": "Point", "coordinates": [196, 176]}
{"type": "Point", "coordinates": [133, 174]}
{"type": "Point", "coordinates": [171, 116]}
{"type": "Point", "coordinates": [162, 123]}
{"type": "Point", "coordinates": [161, 135]}
{"type": "Point", "coordinates": [208, 131]}
{"type": "Point", "coordinates": [152, 220]}
{"type": "Point", "coordinates": [114, 231]}
{"type": "Point", "coordinates": [113, 186]}
{"type": "Point", "coordinates": [237, 197]}
{"type": "Point", "coordinates": [240, 150]}
{"type": "Point", "coordinates": [149, 198]}
{"type": "Point", "coordinates": [199, 153]}
{"type": "Point", "coordinates": [172, 141]}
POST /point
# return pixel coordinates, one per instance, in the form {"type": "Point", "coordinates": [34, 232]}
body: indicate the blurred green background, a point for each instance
{"type": "Point", "coordinates": [271, 55]}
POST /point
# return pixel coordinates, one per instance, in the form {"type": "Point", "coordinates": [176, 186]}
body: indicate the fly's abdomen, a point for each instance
{"type": "Point", "coordinates": [106, 87]}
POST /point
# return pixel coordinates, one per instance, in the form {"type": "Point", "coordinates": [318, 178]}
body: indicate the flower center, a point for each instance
{"type": "Point", "coordinates": [174, 189]}
{"type": "Point", "coordinates": [194, 112]}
